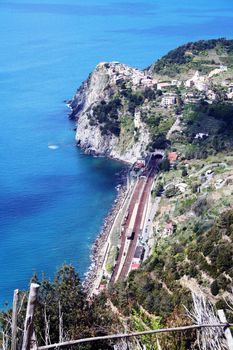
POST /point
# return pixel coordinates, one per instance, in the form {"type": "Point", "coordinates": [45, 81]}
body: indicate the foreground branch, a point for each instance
{"type": "Point", "coordinates": [135, 334]}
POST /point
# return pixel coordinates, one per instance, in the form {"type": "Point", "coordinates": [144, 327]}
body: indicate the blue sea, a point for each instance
{"type": "Point", "coordinates": [53, 200]}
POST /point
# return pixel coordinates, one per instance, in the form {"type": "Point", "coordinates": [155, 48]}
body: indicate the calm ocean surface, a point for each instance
{"type": "Point", "coordinates": [53, 201]}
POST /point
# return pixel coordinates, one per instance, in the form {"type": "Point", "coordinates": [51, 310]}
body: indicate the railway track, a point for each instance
{"type": "Point", "coordinates": [141, 195]}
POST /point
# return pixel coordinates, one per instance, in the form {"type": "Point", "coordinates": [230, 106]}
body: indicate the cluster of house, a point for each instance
{"type": "Point", "coordinates": [228, 84]}
{"type": "Point", "coordinates": [218, 71]}
{"type": "Point", "coordinates": [122, 72]}
{"type": "Point", "coordinates": [200, 83]}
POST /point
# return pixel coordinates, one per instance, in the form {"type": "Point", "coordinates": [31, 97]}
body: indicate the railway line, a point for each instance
{"type": "Point", "coordinates": [133, 222]}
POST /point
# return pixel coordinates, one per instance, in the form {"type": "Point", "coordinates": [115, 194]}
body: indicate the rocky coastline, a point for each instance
{"type": "Point", "coordinates": [108, 123]}
{"type": "Point", "coordinates": [97, 256]}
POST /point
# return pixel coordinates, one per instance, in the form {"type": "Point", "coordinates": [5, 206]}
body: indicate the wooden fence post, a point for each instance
{"type": "Point", "coordinates": [28, 324]}
{"type": "Point", "coordinates": [228, 335]}
{"type": "Point", "coordinates": [14, 320]}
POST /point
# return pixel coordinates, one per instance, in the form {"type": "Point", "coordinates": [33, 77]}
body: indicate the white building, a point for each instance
{"type": "Point", "coordinates": [163, 84]}
{"type": "Point", "coordinates": [211, 95]}
{"type": "Point", "coordinates": [199, 82]}
{"type": "Point", "coordinates": [176, 83]}
{"type": "Point", "coordinates": [168, 100]}
{"type": "Point", "coordinates": [182, 187]}
{"type": "Point", "coordinates": [230, 95]}
{"type": "Point", "coordinates": [217, 71]}
{"type": "Point", "coordinates": [201, 135]}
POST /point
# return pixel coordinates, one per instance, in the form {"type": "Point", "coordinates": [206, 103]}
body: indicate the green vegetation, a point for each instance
{"type": "Point", "coordinates": [215, 120]}
{"type": "Point", "coordinates": [158, 189]}
{"type": "Point", "coordinates": [106, 114]}
{"type": "Point", "coordinates": [140, 321]}
{"type": "Point", "coordinates": [171, 191]}
{"type": "Point", "coordinates": [165, 164]}
{"type": "Point", "coordinates": [158, 286]}
{"type": "Point", "coordinates": [158, 125]}
{"type": "Point", "coordinates": [194, 55]}
{"type": "Point", "coordinates": [80, 318]}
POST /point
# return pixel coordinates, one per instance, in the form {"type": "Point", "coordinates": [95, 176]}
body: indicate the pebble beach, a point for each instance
{"type": "Point", "coordinates": [98, 252]}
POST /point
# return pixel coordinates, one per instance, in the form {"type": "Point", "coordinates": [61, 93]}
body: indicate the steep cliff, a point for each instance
{"type": "Point", "coordinates": [108, 108]}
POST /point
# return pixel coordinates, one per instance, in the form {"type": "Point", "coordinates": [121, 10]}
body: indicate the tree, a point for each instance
{"type": "Point", "coordinates": [158, 142]}
{"type": "Point", "coordinates": [158, 189]}
{"type": "Point", "coordinates": [195, 186]}
{"type": "Point", "coordinates": [184, 172]}
{"type": "Point", "coordinates": [171, 192]}
{"type": "Point", "coordinates": [224, 258]}
{"type": "Point", "coordinates": [165, 164]}
{"type": "Point", "coordinates": [214, 287]}
{"type": "Point", "coordinates": [64, 313]}
{"type": "Point", "coordinates": [207, 248]}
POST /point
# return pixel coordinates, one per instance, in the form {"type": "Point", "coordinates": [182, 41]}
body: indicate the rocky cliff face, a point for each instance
{"type": "Point", "coordinates": [107, 122]}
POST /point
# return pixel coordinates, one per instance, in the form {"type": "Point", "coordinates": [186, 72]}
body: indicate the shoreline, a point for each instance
{"type": "Point", "coordinates": [97, 256]}
{"type": "Point", "coordinates": [89, 151]}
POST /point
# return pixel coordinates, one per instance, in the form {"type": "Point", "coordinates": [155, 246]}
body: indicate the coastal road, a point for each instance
{"type": "Point", "coordinates": [140, 197]}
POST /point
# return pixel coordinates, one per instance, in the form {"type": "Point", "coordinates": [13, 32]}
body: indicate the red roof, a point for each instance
{"type": "Point", "coordinates": [135, 266]}
{"type": "Point", "coordinates": [172, 156]}
{"type": "Point", "coordinates": [169, 225]}
{"type": "Point", "coordinates": [139, 165]}
{"type": "Point", "coordinates": [102, 286]}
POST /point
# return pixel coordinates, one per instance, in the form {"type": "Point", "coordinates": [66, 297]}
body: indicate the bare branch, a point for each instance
{"type": "Point", "coordinates": [21, 304]}
{"type": "Point", "coordinates": [47, 327]}
{"type": "Point", "coordinates": [61, 331]}
{"type": "Point", "coordinates": [203, 312]}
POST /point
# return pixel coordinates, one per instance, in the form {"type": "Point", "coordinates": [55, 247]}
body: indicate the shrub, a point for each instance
{"type": "Point", "coordinates": [171, 192]}
{"type": "Point", "coordinates": [158, 189]}
{"type": "Point", "coordinates": [165, 165]}
{"type": "Point", "coordinates": [214, 288]}
{"type": "Point", "coordinates": [184, 172]}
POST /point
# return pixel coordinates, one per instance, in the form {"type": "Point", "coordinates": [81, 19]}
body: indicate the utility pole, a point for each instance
{"type": "Point", "coordinates": [14, 320]}
{"type": "Point", "coordinates": [28, 336]}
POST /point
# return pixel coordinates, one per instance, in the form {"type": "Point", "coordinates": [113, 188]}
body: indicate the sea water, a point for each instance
{"type": "Point", "coordinates": [53, 198]}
